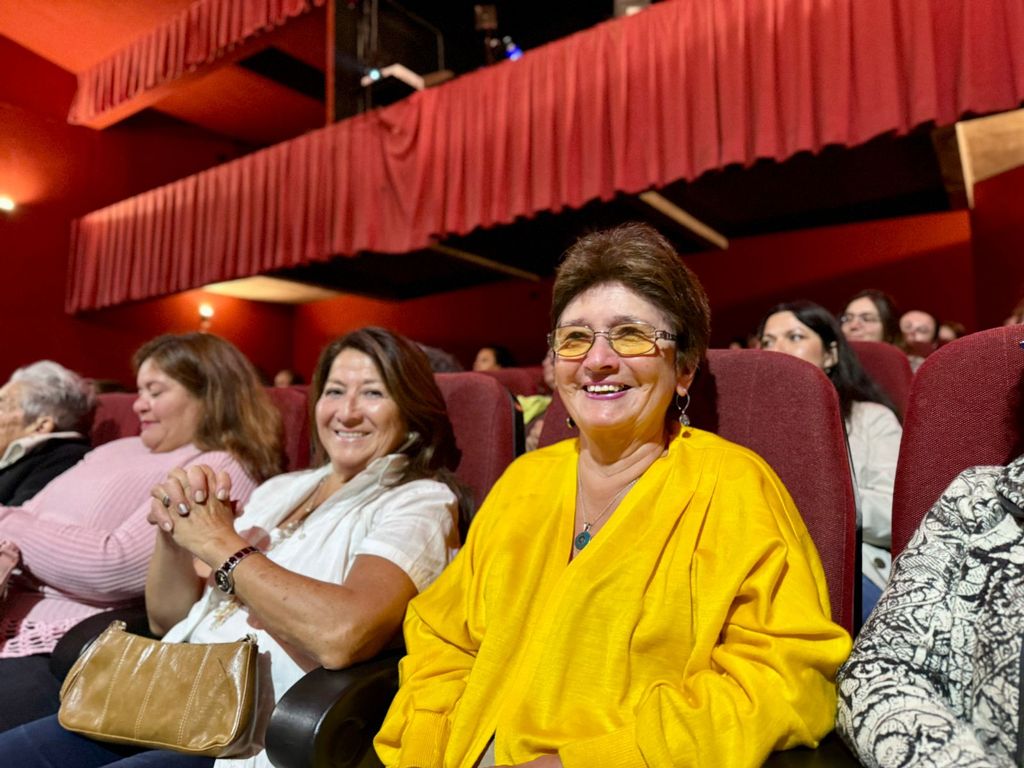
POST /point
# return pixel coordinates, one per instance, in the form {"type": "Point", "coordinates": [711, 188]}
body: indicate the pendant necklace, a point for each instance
{"type": "Point", "coordinates": [312, 503]}
{"type": "Point", "coordinates": [229, 604]}
{"type": "Point", "coordinates": [585, 536]}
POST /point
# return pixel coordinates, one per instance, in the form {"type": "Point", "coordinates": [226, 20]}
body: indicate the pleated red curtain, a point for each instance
{"type": "Point", "coordinates": [200, 35]}
{"type": "Point", "coordinates": [635, 103]}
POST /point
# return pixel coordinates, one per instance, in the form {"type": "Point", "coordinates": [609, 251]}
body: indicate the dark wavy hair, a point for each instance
{"type": "Point", "coordinates": [237, 414]}
{"type": "Point", "coordinates": [405, 371]}
{"type": "Point", "coordinates": [638, 257]}
{"type": "Point", "coordinates": [889, 315]}
{"type": "Point", "coordinates": [851, 381]}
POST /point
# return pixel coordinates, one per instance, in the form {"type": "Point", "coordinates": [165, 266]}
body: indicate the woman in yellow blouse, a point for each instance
{"type": "Point", "coordinates": [643, 595]}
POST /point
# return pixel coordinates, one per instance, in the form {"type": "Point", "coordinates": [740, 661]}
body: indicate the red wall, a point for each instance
{"type": "Point", "coordinates": [924, 261]}
{"type": "Point", "coordinates": [57, 172]}
{"type": "Point", "coordinates": [513, 313]}
{"type": "Point", "coordinates": [998, 225]}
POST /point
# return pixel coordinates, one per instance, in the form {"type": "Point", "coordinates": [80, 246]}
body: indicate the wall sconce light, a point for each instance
{"type": "Point", "coordinates": [7, 204]}
{"type": "Point", "coordinates": [205, 316]}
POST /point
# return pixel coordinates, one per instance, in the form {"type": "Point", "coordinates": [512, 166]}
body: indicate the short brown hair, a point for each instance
{"type": "Point", "coordinates": [237, 414]}
{"type": "Point", "coordinates": [406, 373]}
{"type": "Point", "coordinates": [638, 257]}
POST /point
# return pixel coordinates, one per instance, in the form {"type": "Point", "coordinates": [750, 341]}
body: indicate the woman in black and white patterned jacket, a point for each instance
{"type": "Point", "coordinates": [935, 676]}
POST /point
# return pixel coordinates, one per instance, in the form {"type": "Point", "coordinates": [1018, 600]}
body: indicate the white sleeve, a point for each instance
{"type": "Point", "coordinates": [875, 445]}
{"type": "Point", "coordinates": [415, 529]}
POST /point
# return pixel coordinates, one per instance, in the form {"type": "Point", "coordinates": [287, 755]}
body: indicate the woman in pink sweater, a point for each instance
{"type": "Point", "coordinates": [84, 540]}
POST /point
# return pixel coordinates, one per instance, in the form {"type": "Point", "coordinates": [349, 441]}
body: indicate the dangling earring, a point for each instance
{"type": "Point", "coordinates": [684, 420]}
{"type": "Point", "coordinates": [569, 423]}
{"type": "Point", "coordinates": [410, 439]}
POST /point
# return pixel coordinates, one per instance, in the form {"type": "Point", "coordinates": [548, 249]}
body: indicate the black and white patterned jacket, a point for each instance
{"type": "Point", "coordinates": [935, 675]}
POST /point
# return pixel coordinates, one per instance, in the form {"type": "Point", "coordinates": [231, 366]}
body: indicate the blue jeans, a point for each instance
{"type": "Point", "coordinates": [44, 744]}
{"type": "Point", "coordinates": [28, 690]}
{"type": "Point", "coordinates": [869, 594]}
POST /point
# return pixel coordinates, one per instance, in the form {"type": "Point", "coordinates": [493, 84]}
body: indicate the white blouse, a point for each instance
{"type": "Point", "coordinates": [874, 433]}
{"type": "Point", "coordinates": [413, 525]}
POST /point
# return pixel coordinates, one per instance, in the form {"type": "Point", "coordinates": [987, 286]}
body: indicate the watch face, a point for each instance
{"type": "Point", "coordinates": [224, 582]}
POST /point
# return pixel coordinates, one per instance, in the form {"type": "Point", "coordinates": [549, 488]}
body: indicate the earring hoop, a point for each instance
{"type": "Point", "coordinates": [569, 423]}
{"type": "Point", "coordinates": [684, 420]}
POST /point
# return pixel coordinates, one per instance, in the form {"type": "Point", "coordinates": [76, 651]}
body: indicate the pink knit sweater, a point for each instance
{"type": "Point", "coordinates": [85, 543]}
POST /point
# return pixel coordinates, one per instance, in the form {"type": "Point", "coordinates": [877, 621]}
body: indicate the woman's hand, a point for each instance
{"type": "Point", "coordinates": [207, 527]}
{"type": "Point", "coordinates": [173, 498]}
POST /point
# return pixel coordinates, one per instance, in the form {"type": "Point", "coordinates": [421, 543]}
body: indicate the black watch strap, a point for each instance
{"type": "Point", "coordinates": [222, 576]}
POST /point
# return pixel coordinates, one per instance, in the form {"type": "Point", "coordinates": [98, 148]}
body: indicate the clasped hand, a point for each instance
{"type": "Point", "coordinates": [193, 507]}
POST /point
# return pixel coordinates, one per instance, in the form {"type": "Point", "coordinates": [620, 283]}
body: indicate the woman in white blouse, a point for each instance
{"type": "Point", "coordinates": [808, 331]}
{"type": "Point", "coordinates": [320, 563]}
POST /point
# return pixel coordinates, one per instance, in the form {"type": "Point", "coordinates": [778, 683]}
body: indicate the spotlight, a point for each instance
{"type": "Point", "coordinates": [6, 203]}
{"type": "Point", "coordinates": [205, 316]}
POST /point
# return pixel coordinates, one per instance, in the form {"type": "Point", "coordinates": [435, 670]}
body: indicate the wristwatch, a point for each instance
{"type": "Point", "coordinates": [222, 576]}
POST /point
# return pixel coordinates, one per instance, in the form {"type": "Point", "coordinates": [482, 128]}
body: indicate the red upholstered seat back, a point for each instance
{"type": "Point", "coordinates": [964, 411]}
{"type": "Point", "coordinates": [293, 403]}
{"type": "Point", "coordinates": [786, 411]}
{"type": "Point", "coordinates": [483, 416]}
{"type": "Point", "coordinates": [519, 381]}
{"type": "Point", "coordinates": [114, 417]}
{"type": "Point", "coordinates": [890, 369]}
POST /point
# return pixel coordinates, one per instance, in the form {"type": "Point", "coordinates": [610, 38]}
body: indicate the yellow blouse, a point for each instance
{"type": "Point", "coordinates": [693, 630]}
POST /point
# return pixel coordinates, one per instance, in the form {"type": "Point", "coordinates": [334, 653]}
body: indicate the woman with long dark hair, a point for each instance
{"type": "Point", "coordinates": [809, 331]}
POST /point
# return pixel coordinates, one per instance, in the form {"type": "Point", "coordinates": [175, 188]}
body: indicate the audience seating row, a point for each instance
{"type": "Point", "coordinates": [781, 408]}
{"type": "Point", "coordinates": [481, 411]}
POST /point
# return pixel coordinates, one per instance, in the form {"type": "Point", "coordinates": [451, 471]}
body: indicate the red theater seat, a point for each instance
{"type": "Point", "coordinates": [786, 411]}
{"type": "Point", "coordinates": [519, 381]}
{"type": "Point", "coordinates": [964, 411]}
{"type": "Point", "coordinates": [890, 369]}
{"type": "Point", "coordinates": [483, 416]}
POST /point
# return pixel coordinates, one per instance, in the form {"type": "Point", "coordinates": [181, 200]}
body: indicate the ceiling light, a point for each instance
{"type": "Point", "coordinates": [263, 288]}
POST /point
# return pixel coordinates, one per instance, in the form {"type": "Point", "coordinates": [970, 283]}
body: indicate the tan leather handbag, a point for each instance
{"type": "Point", "coordinates": [199, 699]}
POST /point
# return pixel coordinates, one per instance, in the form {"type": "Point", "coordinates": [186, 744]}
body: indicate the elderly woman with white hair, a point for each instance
{"type": "Point", "coordinates": [44, 411]}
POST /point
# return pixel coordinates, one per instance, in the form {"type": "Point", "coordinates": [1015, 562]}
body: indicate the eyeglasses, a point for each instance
{"type": "Point", "coordinates": [865, 317]}
{"type": "Point", "coordinates": [627, 339]}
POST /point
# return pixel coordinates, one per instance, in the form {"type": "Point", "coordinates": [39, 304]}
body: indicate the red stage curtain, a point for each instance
{"type": "Point", "coordinates": [631, 104]}
{"type": "Point", "coordinates": [201, 34]}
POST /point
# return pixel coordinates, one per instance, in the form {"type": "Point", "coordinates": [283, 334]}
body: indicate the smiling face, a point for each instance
{"type": "Point", "coordinates": [356, 419]}
{"type": "Point", "coordinates": [783, 332]}
{"type": "Point", "coordinates": [608, 394]}
{"type": "Point", "coordinates": [169, 413]}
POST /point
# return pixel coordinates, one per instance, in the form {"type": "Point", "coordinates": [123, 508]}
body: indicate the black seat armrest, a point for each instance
{"type": "Point", "coordinates": [831, 753]}
{"type": "Point", "coordinates": [77, 639]}
{"type": "Point", "coordinates": [328, 718]}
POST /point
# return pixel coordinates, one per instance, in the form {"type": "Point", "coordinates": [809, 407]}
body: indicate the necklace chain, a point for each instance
{"type": "Point", "coordinates": [229, 605]}
{"type": "Point", "coordinates": [584, 536]}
